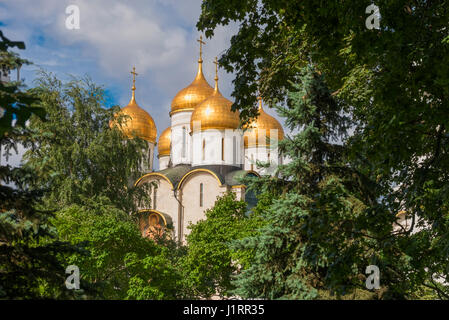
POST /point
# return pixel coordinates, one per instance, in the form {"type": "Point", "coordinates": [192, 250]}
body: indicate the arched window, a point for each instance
{"type": "Point", "coordinates": [154, 198]}
{"type": "Point", "coordinates": [204, 149]}
{"type": "Point", "coordinates": [184, 138]}
{"type": "Point", "coordinates": [222, 149]}
{"type": "Point", "coordinates": [201, 194]}
{"type": "Point", "coordinates": [234, 150]}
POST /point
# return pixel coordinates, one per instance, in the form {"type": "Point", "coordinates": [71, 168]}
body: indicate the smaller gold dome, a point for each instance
{"type": "Point", "coordinates": [215, 113]}
{"type": "Point", "coordinates": [263, 122]}
{"type": "Point", "coordinates": [138, 121]}
{"type": "Point", "coordinates": [164, 143]}
{"type": "Point", "coordinates": [190, 97]}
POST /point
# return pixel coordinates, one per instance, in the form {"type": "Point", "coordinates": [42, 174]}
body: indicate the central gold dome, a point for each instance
{"type": "Point", "coordinates": [215, 113]}
{"type": "Point", "coordinates": [190, 97]}
{"type": "Point", "coordinates": [164, 143]}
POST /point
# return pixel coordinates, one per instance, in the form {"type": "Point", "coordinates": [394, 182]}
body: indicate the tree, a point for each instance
{"type": "Point", "coordinates": [396, 80]}
{"type": "Point", "coordinates": [88, 168]}
{"type": "Point", "coordinates": [121, 264]}
{"type": "Point", "coordinates": [29, 264]}
{"type": "Point", "coordinates": [319, 233]}
{"type": "Point", "coordinates": [77, 156]}
{"type": "Point", "coordinates": [16, 104]}
{"type": "Point", "coordinates": [275, 37]}
{"type": "Point", "coordinates": [210, 262]}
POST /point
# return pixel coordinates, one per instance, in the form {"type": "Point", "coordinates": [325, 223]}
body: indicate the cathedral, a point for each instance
{"type": "Point", "coordinates": [202, 155]}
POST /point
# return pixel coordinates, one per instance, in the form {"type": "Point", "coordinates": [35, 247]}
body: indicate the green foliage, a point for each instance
{"type": "Point", "coordinates": [29, 264]}
{"type": "Point", "coordinates": [87, 169]}
{"type": "Point", "coordinates": [396, 81]}
{"type": "Point", "coordinates": [15, 104]}
{"type": "Point", "coordinates": [276, 36]}
{"type": "Point", "coordinates": [210, 262]}
{"type": "Point", "coordinates": [76, 155]}
{"type": "Point", "coordinates": [121, 263]}
{"type": "Point", "coordinates": [29, 249]}
{"type": "Point", "coordinates": [318, 233]}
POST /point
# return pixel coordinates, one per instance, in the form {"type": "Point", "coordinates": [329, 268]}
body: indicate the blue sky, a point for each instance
{"type": "Point", "coordinates": [157, 36]}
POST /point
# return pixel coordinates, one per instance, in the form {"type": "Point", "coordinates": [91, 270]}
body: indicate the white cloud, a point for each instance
{"type": "Point", "coordinates": [158, 37]}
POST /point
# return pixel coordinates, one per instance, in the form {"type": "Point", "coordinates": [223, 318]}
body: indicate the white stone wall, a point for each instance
{"type": "Point", "coordinates": [239, 192]}
{"type": "Point", "coordinates": [258, 151]}
{"type": "Point", "coordinates": [263, 154]}
{"type": "Point", "coordinates": [163, 162]}
{"type": "Point", "coordinates": [207, 148]}
{"type": "Point", "coordinates": [180, 122]}
{"type": "Point", "coordinates": [150, 156]}
{"type": "Point", "coordinates": [190, 193]}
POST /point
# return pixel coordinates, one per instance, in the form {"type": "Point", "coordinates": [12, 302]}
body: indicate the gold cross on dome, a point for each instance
{"type": "Point", "coordinates": [200, 40]}
{"type": "Point", "coordinates": [134, 73]}
{"type": "Point", "coordinates": [216, 66]}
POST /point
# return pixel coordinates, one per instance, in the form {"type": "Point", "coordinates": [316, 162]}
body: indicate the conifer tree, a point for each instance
{"type": "Point", "coordinates": [29, 264]}
{"type": "Point", "coordinates": [312, 241]}
{"type": "Point", "coordinates": [396, 80]}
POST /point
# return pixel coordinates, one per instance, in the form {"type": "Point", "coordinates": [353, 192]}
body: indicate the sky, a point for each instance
{"type": "Point", "coordinates": [158, 37]}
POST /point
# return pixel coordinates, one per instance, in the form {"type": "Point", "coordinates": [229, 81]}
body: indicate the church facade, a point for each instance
{"type": "Point", "coordinates": [202, 155]}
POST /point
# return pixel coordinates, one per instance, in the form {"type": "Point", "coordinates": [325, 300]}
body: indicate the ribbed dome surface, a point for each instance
{"type": "Point", "coordinates": [215, 113]}
{"type": "Point", "coordinates": [190, 97]}
{"type": "Point", "coordinates": [138, 121]}
{"type": "Point", "coordinates": [259, 129]}
{"type": "Point", "coordinates": [164, 143]}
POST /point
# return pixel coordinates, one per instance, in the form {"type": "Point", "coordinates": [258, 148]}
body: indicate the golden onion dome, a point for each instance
{"type": "Point", "coordinates": [265, 123]}
{"type": "Point", "coordinates": [164, 143]}
{"type": "Point", "coordinates": [190, 97]}
{"type": "Point", "coordinates": [138, 121]}
{"type": "Point", "coordinates": [215, 113]}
